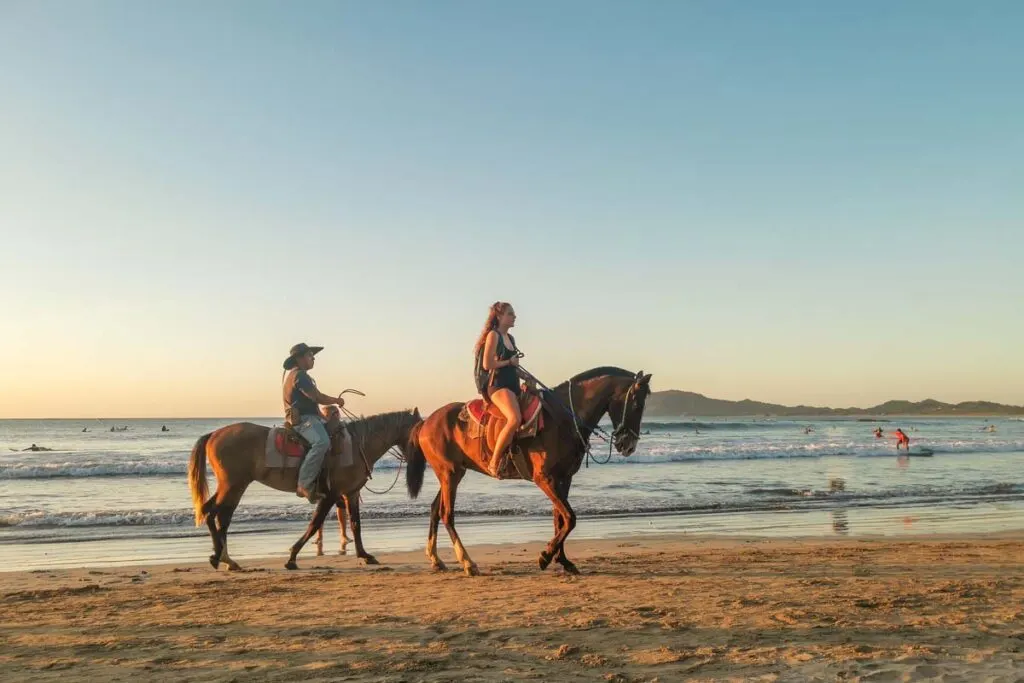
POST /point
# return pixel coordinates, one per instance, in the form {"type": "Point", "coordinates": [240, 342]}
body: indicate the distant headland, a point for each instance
{"type": "Point", "coordinates": [674, 403]}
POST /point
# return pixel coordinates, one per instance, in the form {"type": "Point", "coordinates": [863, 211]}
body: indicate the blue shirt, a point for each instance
{"type": "Point", "coordinates": [298, 385]}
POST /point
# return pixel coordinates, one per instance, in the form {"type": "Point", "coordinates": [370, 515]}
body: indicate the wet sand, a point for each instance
{"type": "Point", "coordinates": [654, 608]}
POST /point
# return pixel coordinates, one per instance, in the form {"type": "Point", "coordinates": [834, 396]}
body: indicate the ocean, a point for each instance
{"type": "Point", "coordinates": [109, 498]}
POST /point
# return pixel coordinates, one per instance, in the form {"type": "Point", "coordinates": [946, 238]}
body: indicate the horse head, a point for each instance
{"type": "Point", "coordinates": [626, 409]}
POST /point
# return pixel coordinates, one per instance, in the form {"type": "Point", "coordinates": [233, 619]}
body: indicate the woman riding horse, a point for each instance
{"type": "Point", "coordinates": [496, 361]}
{"type": "Point", "coordinates": [452, 446]}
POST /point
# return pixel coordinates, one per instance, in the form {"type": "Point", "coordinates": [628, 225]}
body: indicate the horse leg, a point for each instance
{"type": "Point", "coordinates": [319, 542]}
{"type": "Point", "coordinates": [315, 524]}
{"type": "Point", "coordinates": [352, 503]}
{"type": "Point", "coordinates": [568, 522]}
{"type": "Point", "coordinates": [562, 489]}
{"type": "Point", "coordinates": [227, 501]}
{"type": "Point", "coordinates": [435, 520]}
{"type": "Point", "coordinates": [449, 485]}
{"type": "Point", "coordinates": [224, 515]}
{"type": "Point", "coordinates": [210, 510]}
{"type": "Point", "coordinates": [342, 511]}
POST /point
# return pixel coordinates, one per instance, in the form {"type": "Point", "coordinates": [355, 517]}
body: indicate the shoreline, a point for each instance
{"type": "Point", "coordinates": [668, 607]}
{"type": "Point", "coordinates": [253, 541]}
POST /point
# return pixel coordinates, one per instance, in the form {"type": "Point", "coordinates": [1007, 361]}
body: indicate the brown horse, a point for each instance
{"type": "Point", "coordinates": [237, 456]}
{"type": "Point", "coordinates": [551, 458]}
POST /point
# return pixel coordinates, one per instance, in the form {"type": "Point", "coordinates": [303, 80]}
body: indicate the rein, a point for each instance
{"type": "Point", "coordinates": [576, 421]}
{"type": "Point", "coordinates": [362, 450]}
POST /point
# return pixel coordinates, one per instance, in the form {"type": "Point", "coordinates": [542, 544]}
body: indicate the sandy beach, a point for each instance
{"type": "Point", "coordinates": [665, 608]}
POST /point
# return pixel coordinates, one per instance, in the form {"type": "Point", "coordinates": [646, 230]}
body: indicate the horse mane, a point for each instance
{"type": "Point", "coordinates": [594, 373]}
{"type": "Point", "coordinates": [373, 423]}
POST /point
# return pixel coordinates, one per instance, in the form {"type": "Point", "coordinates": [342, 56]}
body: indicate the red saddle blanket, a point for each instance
{"type": "Point", "coordinates": [289, 444]}
{"type": "Point", "coordinates": [530, 406]}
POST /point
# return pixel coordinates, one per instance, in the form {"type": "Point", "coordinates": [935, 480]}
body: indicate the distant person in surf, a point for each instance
{"type": "Point", "coordinates": [164, 429]}
{"type": "Point", "coordinates": [34, 447]}
{"type": "Point", "coordinates": [902, 440]}
{"type": "Point", "coordinates": [878, 433]}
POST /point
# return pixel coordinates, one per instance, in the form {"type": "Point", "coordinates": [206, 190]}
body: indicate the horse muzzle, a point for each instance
{"type": "Point", "coordinates": [626, 444]}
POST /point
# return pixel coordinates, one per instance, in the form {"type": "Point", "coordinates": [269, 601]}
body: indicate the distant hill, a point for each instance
{"type": "Point", "coordinates": [675, 403]}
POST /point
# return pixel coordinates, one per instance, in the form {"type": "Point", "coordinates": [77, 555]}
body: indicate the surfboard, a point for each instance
{"type": "Point", "coordinates": [921, 453]}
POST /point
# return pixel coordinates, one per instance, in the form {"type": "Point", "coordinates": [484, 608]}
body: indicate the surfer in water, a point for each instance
{"type": "Point", "coordinates": [902, 439]}
{"type": "Point", "coordinates": [878, 433]}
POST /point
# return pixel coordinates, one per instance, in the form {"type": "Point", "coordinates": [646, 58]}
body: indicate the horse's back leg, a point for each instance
{"type": "Point", "coordinates": [435, 520]}
{"type": "Point", "coordinates": [449, 485]}
{"type": "Point", "coordinates": [342, 513]}
{"type": "Point", "coordinates": [210, 511]}
{"type": "Point", "coordinates": [227, 501]}
{"type": "Point", "coordinates": [315, 524]}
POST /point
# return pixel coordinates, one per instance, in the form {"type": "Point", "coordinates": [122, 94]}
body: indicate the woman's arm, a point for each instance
{"type": "Point", "coordinates": [491, 361]}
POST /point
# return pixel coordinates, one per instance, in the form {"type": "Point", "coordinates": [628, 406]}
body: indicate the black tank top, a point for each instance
{"type": "Point", "coordinates": [506, 376]}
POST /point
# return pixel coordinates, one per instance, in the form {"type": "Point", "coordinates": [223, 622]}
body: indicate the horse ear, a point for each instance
{"type": "Point", "coordinates": [643, 381]}
{"type": "Point", "coordinates": [639, 375]}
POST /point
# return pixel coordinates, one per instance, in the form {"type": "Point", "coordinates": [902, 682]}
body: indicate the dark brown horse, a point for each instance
{"type": "Point", "coordinates": [551, 458]}
{"type": "Point", "coordinates": [237, 455]}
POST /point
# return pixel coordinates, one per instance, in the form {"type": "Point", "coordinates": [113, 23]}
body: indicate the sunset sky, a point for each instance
{"type": "Point", "coordinates": [797, 202]}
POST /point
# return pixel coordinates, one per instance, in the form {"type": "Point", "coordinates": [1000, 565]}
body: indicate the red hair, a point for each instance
{"type": "Point", "coordinates": [498, 309]}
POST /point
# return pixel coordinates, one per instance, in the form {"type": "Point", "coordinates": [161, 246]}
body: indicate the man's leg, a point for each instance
{"type": "Point", "coordinates": [312, 430]}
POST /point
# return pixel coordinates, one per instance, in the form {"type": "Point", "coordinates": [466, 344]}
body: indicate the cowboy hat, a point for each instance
{"type": "Point", "coordinates": [298, 350]}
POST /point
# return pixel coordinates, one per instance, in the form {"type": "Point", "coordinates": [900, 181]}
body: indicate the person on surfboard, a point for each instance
{"type": "Point", "coordinates": [902, 439]}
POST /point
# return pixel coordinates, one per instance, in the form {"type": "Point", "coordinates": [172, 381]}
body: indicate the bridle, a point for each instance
{"type": "Point", "coordinates": [621, 430]}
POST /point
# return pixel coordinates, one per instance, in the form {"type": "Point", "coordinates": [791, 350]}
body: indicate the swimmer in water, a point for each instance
{"type": "Point", "coordinates": [878, 433]}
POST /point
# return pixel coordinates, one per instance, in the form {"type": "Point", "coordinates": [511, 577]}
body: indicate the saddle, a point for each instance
{"type": "Point", "coordinates": [484, 421]}
{"type": "Point", "coordinates": [286, 448]}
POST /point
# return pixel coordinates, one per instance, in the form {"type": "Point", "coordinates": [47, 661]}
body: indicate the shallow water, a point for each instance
{"type": "Point", "coordinates": [122, 497]}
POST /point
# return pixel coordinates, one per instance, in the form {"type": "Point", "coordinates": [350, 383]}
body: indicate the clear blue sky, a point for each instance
{"type": "Point", "coordinates": [790, 201]}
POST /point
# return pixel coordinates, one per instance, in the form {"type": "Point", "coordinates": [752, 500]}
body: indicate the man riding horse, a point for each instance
{"type": "Point", "coordinates": [302, 401]}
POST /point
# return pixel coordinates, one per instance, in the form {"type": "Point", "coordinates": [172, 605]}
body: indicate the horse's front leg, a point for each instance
{"type": "Point", "coordinates": [322, 508]}
{"type": "Point", "coordinates": [565, 522]}
{"type": "Point", "coordinates": [352, 503]}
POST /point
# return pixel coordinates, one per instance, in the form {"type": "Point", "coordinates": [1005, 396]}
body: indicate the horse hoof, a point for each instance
{"type": "Point", "coordinates": [214, 561]}
{"type": "Point", "coordinates": [471, 570]}
{"type": "Point", "coordinates": [439, 566]}
{"type": "Point", "coordinates": [234, 567]}
{"type": "Point", "coordinates": [290, 564]}
{"type": "Point", "coordinates": [369, 559]}
{"type": "Point", "coordinates": [543, 561]}
{"type": "Point", "coordinates": [570, 568]}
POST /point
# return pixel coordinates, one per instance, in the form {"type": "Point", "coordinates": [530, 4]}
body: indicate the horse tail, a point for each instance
{"type": "Point", "coordinates": [416, 462]}
{"type": "Point", "coordinates": [197, 477]}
